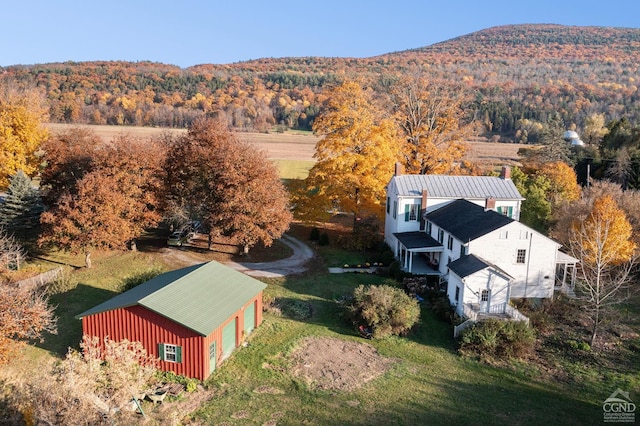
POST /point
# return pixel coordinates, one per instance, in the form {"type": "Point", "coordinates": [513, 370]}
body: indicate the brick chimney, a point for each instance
{"type": "Point", "coordinates": [506, 172]}
{"type": "Point", "coordinates": [490, 204]}
{"type": "Point", "coordinates": [399, 169]}
{"type": "Point", "coordinates": [423, 208]}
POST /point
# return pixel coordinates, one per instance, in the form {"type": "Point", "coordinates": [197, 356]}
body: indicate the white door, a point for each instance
{"type": "Point", "coordinates": [485, 300]}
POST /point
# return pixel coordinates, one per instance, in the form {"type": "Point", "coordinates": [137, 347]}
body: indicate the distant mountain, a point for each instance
{"type": "Point", "coordinates": [535, 72]}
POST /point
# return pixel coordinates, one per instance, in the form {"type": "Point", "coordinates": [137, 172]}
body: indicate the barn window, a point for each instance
{"type": "Point", "coordinates": [484, 296]}
{"type": "Point", "coordinates": [521, 256]}
{"type": "Point", "coordinates": [170, 353]}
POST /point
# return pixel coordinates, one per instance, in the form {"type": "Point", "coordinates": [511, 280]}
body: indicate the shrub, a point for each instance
{"type": "Point", "coordinates": [140, 277]}
{"type": "Point", "coordinates": [386, 310]}
{"type": "Point", "coordinates": [315, 234]}
{"type": "Point", "coordinates": [493, 338]}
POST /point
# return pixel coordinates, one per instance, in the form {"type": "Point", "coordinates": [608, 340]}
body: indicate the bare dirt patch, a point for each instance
{"type": "Point", "coordinates": [337, 365]}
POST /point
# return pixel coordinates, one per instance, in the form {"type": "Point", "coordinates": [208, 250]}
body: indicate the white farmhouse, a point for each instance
{"type": "Point", "coordinates": [476, 244]}
{"type": "Point", "coordinates": [410, 196]}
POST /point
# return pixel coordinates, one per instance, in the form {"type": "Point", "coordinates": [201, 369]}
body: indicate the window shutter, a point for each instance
{"type": "Point", "coordinates": [419, 212]}
{"type": "Point", "coordinates": [406, 213]}
{"type": "Point", "coordinates": [178, 353]}
{"type": "Point", "coordinates": [510, 211]}
{"type": "Point", "coordinates": [161, 351]}
{"type": "Point", "coordinates": [499, 210]}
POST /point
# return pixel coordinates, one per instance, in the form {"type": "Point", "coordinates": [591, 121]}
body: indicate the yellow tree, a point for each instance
{"type": "Point", "coordinates": [21, 133]}
{"type": "Point", "coordinates": [355, 156]}
{"type": "Point", "coordinates": [602, 241]}
{"type": "Point", "coordinates": [432, 122]}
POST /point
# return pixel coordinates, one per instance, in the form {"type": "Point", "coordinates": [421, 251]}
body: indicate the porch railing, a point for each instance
{"type": "Point", "coordinates": [471, 313]}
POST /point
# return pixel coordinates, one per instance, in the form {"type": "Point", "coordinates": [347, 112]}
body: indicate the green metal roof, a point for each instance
{"type": "Point", "coordinates": [199, 297]}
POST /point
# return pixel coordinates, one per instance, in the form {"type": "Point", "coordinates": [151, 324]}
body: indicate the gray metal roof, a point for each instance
{"type": "Point", "coordinates": [468, 187]}
{"type": "Point", "coordinates": [199, 297]}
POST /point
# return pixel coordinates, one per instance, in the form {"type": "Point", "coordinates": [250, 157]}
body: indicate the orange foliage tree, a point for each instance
{"type": "Point", "coordinates": [602, 241]}
{"type": "Point", "coordinates": [233, 188]}
{"type": "Point", "coordinates": [106, 199]}
{"type": "Point", "coordinates": [25, 314]}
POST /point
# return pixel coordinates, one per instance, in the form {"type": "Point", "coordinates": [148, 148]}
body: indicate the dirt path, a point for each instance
{"type": "Point", "coordinates": [294, 264]}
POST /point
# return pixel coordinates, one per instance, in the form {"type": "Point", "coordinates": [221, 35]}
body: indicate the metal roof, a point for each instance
{"type": "Point", "coordinates": [469, 187]}
{"type": "Point", "coordinates": [200, 297]}
{"type": "Point", "coordinates": [467, 221]}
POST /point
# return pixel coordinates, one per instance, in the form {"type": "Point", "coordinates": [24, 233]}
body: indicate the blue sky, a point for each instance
{"type": "Point", "coordinates": [191, 32]}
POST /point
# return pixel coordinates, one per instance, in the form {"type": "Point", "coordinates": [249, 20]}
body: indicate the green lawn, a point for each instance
{"type": "Point", "coordinates": [429, 384]}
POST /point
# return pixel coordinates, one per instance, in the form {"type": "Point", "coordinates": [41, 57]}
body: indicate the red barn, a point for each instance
{"type": "Point", "coordinates": [191, 318]}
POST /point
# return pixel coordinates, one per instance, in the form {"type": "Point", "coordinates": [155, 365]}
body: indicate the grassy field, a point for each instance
{"type": "Point", "coordinates": [293, 151]}
{"type": "Point", "coordinates": [429, 382]}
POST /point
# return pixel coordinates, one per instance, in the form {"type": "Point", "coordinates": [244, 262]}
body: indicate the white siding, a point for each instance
{"type": "Point", "coordinates": [471, 289]}
{"type": "Point", "coordinates": [532, 278]}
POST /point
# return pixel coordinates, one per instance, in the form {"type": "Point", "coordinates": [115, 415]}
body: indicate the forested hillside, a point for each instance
{"type": "Point", "coordinates": [513, 75]}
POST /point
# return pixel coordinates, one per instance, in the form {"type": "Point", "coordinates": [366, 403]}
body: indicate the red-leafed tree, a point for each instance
{"type": "Point", "coordinates": [104, 196]}
{"type": "Point", "coordinates": [232, 187]}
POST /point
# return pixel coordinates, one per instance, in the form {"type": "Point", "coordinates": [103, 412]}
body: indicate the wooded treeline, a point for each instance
{"type": "Point", "coordinates": [513, 73]}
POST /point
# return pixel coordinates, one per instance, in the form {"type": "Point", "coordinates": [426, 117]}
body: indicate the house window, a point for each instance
{"type": "Point", "coordinates": [388, 205]}
{"type": "Point", "coordinates": [428, 228]}
{"type": "Point", "coordinates": [412, 211]}
{"type": "Point", "coordinates": [170, 353]}
{"type": "Point", "coordinates": [450, 243]}
{"type": "Point", "coordinates": [484, 296]}
{"type": "Point", "coordinates": [395, 208]}
{"type": "Point", "coordinates": [507, 211]}
{"type": "Point", "coordinates": [504, 234]}
{"type": "Point", "coordinates": [521, 256]}
{"type": "Point", "coordinates": [463, 251]}
{"type": "Point", "coordinates": [440, 236]}
{"type": "Point", "coordinates": [457, 296]}
{"type": "Point", "coordinates": [524, 235]}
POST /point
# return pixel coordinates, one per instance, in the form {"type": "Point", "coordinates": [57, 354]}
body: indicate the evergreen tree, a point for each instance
{"type": "Point", "coordinates": [22, 205]}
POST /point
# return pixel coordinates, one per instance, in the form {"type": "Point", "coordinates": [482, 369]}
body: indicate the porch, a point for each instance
{"type": "Point", "coordinates": [566, 270]}
{"type": "Point", "coordinates": [501, 311]}
{"type": "Point", "coordinates": [418, 253]}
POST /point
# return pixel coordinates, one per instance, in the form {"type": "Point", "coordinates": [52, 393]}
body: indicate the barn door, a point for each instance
{"type": "Point", "coordinates": [229, 338]}
{"type": "Point", "coordinates": [249, 318]}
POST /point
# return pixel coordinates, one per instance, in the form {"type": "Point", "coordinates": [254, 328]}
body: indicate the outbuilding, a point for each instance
{"type": "Point", "coordinates": [191, 318]}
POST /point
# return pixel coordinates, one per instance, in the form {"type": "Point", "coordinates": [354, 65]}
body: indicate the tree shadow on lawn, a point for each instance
{"type": "Point", "coordinates": [67, 305]}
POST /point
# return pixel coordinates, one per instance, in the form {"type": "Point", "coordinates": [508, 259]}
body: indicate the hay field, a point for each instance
{"type": "Point", "coordinates": [299, 146]}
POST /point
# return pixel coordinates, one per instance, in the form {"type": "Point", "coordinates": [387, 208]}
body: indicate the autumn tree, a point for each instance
{"type": "Point", "coordinates": [233, 188]}
{"type": "Point", "coordinates": [11, 252]}
{"type": "Point", "coordinates": [25, 314]}
{"type": "Point", "coordinates": [545, 187]}
{"type": "Point", "coordinates": [355, 156]}
{"type": "Point", "coordinates": [602, 242]}
{"type": "Point", "coordinates": [21, 133]}
{"type": "Point", "coordinates": [115, 199]}
{"type": "Point", "coordinates": [594, 129]}
{"type": "Point", "coordinates": [433, 125]}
